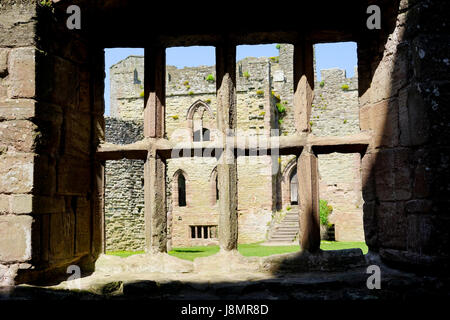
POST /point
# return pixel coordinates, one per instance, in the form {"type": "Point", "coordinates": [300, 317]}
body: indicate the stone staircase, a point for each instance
{"type": "Point", "coordinates": [285, 231]}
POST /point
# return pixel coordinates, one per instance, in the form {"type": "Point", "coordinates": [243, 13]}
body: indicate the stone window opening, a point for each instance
{"type": "Point", "coordinates": [179, 196]}
{"type": "Point", "coordinates": [181, 191]}
{"type": "Point", "coordinates": [203, 232]}
{"type": "Point", "coordinates": [305, 150]}
{"type": "Point", "coordinates": [214, 187]}
{"type": "Point", "coordinates": [293, 186]}
{"type": "Point", "coordinates": [198, 114]}
{"type": "Point", "coordinates": [136, 77]}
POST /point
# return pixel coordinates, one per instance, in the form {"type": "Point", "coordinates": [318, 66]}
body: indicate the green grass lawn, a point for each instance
{"type": "Point", "coordinates": [255, 249]}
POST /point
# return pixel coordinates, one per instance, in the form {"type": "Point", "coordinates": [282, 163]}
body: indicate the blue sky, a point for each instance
{"type": "Point", "coordinates": [330, 55]}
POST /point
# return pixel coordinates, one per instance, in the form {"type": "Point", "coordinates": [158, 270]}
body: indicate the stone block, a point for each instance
{"type": "Point", "coordinates": [3, 62]}
{"type": "Point", "coordinates": [17, 135]}
{"type": "Point", "coordinates": [15, 238]}
{"type": "Point", "coordinates": [74, 175]}
{"type": "Point", "coordinates": [62, 227]}
{"type": "Point", "coordinates": [413, 117]}
{"type": "Point", "coordinates": [21, 203]}
{"type": "Point", "coordinates": [393, 178]}
{"type": "Point", "coordinates": [370, 224]}
{"type": "Point", "coordinates": [16, 171]}
{"type": "Point", "coordinates": [420, 229]}
{"type": "Point", "coordinates": [18, 27]}
{"type": "Point", "coordinates": [45, 204]}
{"type": "Point", "coordinates": [45, 181]}
{"type": "Point", "coordinates": [382, 119]}
{"type": "Point", "coordinates": [392, 225]}
{"type": "Point", "coordinates": [368, 176]}
{"type": "Point", "coordinates": [77, 136]}
{"type": "Point", "coordinates": [85, 90]}
{"type": "Point", "coordinates": [59, 85]}
{"type": "Point", "coordinates": [418, 206]}
{"type": "Point", "coordinates": [22, 73]}
{"type": "Point", "coordinates": [17, 109]}
{"type": "Point", "coordinates": [4, 203]}
{"type": "Point", "coordinates": [83, 228]}
{"type": "Point", "coordinates": [7, 275]}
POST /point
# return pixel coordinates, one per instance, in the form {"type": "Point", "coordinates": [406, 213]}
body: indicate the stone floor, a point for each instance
{"type": "Point", "coordinates": [234, 277]}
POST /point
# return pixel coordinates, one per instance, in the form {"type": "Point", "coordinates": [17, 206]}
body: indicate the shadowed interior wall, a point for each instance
{"type": "Point", "coordinates": [53, 100]}
{"type": "Point", "coordinates": [403, 93]}
{"type": "Point", "coordinates": [51, 114]}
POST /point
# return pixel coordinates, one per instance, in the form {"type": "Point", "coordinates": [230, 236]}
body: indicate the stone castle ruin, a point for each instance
{"type": "Point", "coordinates": [267, 200]}
{"type": "Point", "coordinates": [54, 148]}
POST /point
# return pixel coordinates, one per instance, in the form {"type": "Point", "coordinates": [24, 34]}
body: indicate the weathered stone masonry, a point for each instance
{"type": "Point", "coordinates": [335, 112]}
{"type": "Point", "coordinates": [52, 89]}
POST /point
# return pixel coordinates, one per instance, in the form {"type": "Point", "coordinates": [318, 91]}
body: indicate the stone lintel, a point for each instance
{"type": "Point", "coordinates": [242, 146]}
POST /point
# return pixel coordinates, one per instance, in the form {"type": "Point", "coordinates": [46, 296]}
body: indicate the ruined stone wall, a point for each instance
{"type": "Point", "coordinates": [51, 118]}
{"type": "Point", "coordinates": [184, 87]}
{"type": "Point", "coordinates": [335, 112]}
{"type": "Point", "coordinates": [124, 192]}
{"type": "Point", "coordinates": [404, 96]}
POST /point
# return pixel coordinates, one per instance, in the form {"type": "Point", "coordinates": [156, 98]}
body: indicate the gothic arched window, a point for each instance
{"type": "Point", "coordinates": [199, 116]}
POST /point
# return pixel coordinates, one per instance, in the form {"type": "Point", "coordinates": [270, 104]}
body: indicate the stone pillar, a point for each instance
{"type": "Point", "coordinates": [303, 85]}
{"type": "Point", "coordinates": [155, 204]}
{"type": "Point", "coordinates": [155, 92]}
{"type": "Point", "coordinates": [227, 167]}
{"type": "Point", "coordinates": [154, 168]}
{"type": "Point", "coordinates": [307, 173]}
{"type": "Point", "coordinates": [307, 163]}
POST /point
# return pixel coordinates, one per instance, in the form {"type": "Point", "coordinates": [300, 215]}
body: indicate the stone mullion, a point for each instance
{"type": "Point", "coordinates": [154, 92]}
{"type": "Point", "coordinates": [307, 162]}
{"type": "Point", "coordinates": [308, 198]}
{"type": "Point", "coordinates": [303, 85]}
{"type": "Point", "coordinates": [226, 124]}
{"type": "Point", "coordinates": [155, 166]}
{"type": "Point", "coordinates": [155, 204]}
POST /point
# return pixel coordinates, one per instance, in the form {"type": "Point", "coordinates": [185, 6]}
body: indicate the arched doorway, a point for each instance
{"type": "Point", "coordinates": [293, 186]}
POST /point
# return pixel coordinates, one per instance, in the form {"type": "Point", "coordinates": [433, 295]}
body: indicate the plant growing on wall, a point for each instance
{"type": "Point", "coordinates": [276, 96]}
{"type": "Point", "coordinates": [322, 84]}
{"type": "Point", "coordinates": [208, 101]}
{"type": "Point", "coordinates": [259, 93]}
{"type": "Point", "coordinates": [191, 93]}
{"type": "Point", "coordinates": [281, 108]}
{"type": "Point", "coordinates": [210, 78]}
{"type": "Point", "coordinates": [275, 59]}
{"type": "Point", "coordinates": [142, 94]}
{"type": "Point", "coordinates": [246, 75]}
{"type": "Point", "coordinates": [278, 46]}
{"type": "Point", "coordinates": [325, 211]}
{"type": "Point", "coordinates": [175, 117]}
{"type": "Point", "coordinates": [345, 87]}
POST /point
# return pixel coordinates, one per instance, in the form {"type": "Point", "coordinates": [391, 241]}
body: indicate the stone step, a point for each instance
{"type": "Point", "coordinates": [283, 236]}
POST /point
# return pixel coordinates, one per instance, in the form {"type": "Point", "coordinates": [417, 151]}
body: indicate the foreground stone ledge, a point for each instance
{"type": "Point", "coordinates": [156, 262]}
